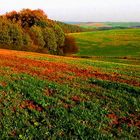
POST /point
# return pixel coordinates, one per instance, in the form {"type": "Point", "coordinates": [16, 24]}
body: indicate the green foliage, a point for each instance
{"type": "Point", "coordinates": [4, 34]}
{"type": "Point", "coordinates": [60, 36]}
{"type": "Point", "coordinates": [116, 86]}
{"type": "Point", "coordinates": [50, 39]}
{"type": "Point", "coordinates": [67, 98]}
{"type": "Point", "coordinates": [37, 36]}
{"type": "Point", "coordinates": [27, 40]}
{"type": "Point", "coordinates": [10, 34]}
{"type": "Point", "coordinates": [15, 33]}
{"type": "Point", "coordinates": [33, 30]}
{"type": "Point", "coordinates": [67, 28]}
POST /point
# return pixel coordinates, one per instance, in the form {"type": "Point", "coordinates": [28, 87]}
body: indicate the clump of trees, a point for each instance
{"type": "Point", "coordinates": [67, 28]}
{"type": "Point", "coordinates": [31, 30]}
{"type": "Point", "coordinates": [12, 35]}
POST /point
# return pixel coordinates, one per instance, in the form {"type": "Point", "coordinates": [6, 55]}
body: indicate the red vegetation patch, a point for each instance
{"type": "Point", "coordinates": [77, 99]}
{"type": "Point", "coordinates": [49, 92]}
{"type": "Point", "coordinates": [57, 71]}
{"type": "Point", "coordinates": [13, 133]}
{"type": "Point", "coordinates": [117, 121]}
{"type": "Point", "coordinates": [4, 84]}
{"type": "Point", "coordinates": [31, 105]}
{"type": "Point", "coordinates": [67, 106]}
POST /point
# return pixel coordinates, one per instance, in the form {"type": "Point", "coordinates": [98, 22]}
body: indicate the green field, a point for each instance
{"type": "Point", "coordinates": [122, 24]}
{"type": "Point", "coordinates": [52, 97]}
{"type": "Point", "coordinates": [111, 43]}
{"type": "Point", "coordinates": [96, 25]}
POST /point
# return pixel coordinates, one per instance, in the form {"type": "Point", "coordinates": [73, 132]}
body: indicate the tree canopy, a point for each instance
{"type": "Point", "coordinates": [32, 30]}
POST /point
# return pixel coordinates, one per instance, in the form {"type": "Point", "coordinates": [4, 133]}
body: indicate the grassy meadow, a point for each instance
{"type": "Point", "coordinates": [110, 43]}
{"type": "Point", "coordinates": [53, 97]}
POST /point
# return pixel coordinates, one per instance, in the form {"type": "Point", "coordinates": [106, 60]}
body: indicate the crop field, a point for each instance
{"type": "Point", "coordinates": [94, 25]}
{"type": "Point", "coordinates": [53, 97]}
{"type": "Point", "coordinates": [116, 43]}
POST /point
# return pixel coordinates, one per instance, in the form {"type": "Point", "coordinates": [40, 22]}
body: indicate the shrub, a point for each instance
{"type": "Point", "coordinates": [70, 46]}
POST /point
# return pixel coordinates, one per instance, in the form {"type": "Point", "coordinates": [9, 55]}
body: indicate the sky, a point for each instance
{"type": "Point", "coordinates": [80, 10]}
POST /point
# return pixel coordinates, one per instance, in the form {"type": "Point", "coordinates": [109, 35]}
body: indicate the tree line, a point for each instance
{"type": "Point", "coordinates": [32, 30]}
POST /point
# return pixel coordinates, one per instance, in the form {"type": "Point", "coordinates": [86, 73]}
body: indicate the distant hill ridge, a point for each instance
{"type": "Point", "coordinates": [106, 24]}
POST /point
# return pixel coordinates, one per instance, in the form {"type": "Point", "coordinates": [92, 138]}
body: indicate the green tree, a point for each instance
{"type": "Point", "coordinates": [27, 42]}
{"type": "Point", "coordinates": [37, 36]}
{"type": "Point", "coordinates": [10, 34]}
{"type": "Point", "coordinates": [4, 35]}
{"type": "Point", "coordinates": [50, 40]}
{"type": "Point", "coordinates": [60, 38]}
{"type": "Point", "coordinates": [15, 32]}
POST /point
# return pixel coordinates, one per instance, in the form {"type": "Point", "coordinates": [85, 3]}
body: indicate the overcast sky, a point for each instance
{"type": "Point", "coordinates": [79, 10]}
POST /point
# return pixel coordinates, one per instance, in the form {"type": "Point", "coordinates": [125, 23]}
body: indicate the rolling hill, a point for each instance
{"type": "Point", "coordinates": [110, 43]}
{"type": "Point", "coordinates": [106, 25]}
{"type": "Point", "coordinates": [53, 97]}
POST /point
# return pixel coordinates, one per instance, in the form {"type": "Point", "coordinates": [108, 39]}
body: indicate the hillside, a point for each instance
{"type": "Point", "coordinates": [116, 43]}
{"type": "Point", "coordinates": [70, 28]}
{"type": "Point", "coordinates": [106, 25]}
{"type": "Point", "coordinates": [53, 97]}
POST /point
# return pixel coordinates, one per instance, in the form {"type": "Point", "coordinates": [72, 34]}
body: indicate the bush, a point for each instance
{"type": "Point", "coordinates": [70, 46]}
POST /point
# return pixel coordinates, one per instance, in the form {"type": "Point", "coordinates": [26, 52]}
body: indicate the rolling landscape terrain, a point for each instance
{"type": "Point", "coordinates": [68, 82]}
{"type": "Point", "coordinates": [120, 42]}
{"type": "Point", "coordinates": [106, 25]}
{"type": "Point", "coordinates": [55, 97]}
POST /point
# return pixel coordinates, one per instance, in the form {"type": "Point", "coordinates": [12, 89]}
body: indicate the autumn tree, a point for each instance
{"type": "Point", "coordinates": [27, 17]}
{"type": "Point", "coordinates": [70, 46]}
{"type": "Point", "coordinates": [32, 30]}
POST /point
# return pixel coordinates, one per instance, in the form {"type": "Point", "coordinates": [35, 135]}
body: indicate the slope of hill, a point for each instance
{"type": "Point", "coordinates": [106, 25]}
{"type": "Point", "coordinates": [122, 42]}
{"type": "Point", "coordinates": [52, 97]}
{"type": "Point", "coordinates": [69, 28]}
